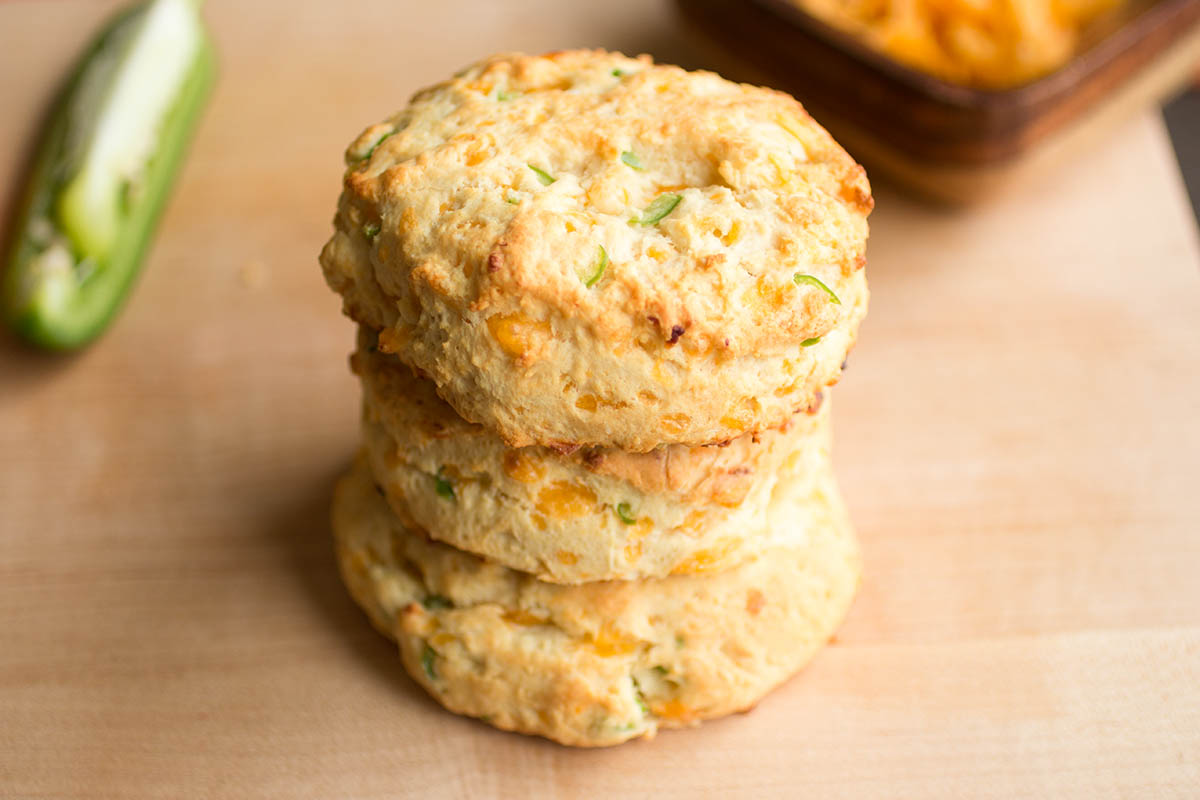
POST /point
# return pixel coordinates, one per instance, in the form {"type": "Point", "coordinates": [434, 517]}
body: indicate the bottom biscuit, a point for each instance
{"type": "Point", "coordinates": [600, 663]}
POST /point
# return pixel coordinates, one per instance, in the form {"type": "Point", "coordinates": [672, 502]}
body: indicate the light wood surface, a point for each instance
{"type": "Point", "coordinates": [1018, 438]}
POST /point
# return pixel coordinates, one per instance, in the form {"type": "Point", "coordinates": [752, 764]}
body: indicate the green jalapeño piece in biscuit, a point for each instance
{"type": "Point", "coordinates": [599, 663]}
{"type": "Point", "coordinates": [587, 249]}
{"type": "Point", "coordinates": [591, 514]}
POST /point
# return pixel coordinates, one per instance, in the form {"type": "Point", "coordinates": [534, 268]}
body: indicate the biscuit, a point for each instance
{"type": "Point", "coordinates": [599, 663]}
{"type": "Point", "coordinates": [584, 248]}
{"type": "Point", "coordinates": [570, 517]}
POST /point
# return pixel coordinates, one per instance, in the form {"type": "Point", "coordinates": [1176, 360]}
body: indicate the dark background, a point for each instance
{"type": "Point", "coordinates": [1183, 121]}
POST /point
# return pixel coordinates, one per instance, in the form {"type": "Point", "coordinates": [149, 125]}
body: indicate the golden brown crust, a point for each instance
{"type": "Point", "coordinates": [469, 235]}
{"type": "Point", "coordinates": [600, 663]}
{"type": "Point", "coordinates": [584, 515]}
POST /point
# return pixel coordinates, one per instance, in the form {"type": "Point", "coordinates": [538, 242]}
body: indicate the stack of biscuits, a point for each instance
{"type": "Point", "coordinates": [600, 304]}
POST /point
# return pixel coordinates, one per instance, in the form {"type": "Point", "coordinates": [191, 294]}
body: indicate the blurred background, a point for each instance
{"type": "Point", "coordinates": [953, 100]}
{"type": "Point", "coordinates": [1183, 121]}
{"type": "Point", "coordinates": [1018, 428]}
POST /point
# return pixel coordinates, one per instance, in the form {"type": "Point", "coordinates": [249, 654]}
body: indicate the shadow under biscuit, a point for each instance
{"type": "Point", "coordinates": [304, 536]}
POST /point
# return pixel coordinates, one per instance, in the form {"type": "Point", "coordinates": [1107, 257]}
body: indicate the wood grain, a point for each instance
{"type": "Point", "coordinates": [1018, 438]}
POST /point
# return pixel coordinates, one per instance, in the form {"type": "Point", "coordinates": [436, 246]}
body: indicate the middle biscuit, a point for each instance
{"type": "Point", "coordinates": [577, 516]}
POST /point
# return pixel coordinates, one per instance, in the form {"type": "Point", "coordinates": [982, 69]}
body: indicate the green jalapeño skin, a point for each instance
{"type": "Point", "coordinates": [105, 168]}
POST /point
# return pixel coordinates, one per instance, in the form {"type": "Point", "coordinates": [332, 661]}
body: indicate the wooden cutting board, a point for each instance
{"type": "Point", "coordinates": [1018, 438]}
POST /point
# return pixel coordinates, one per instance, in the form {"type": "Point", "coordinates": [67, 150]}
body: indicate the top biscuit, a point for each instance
{"type": "Point", "coordinates": [587, 249]}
